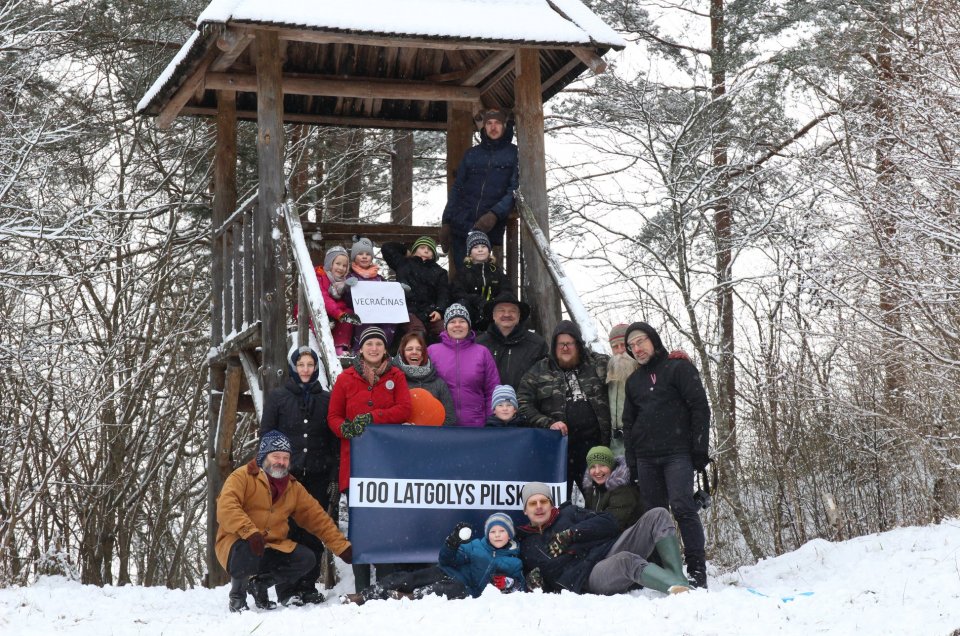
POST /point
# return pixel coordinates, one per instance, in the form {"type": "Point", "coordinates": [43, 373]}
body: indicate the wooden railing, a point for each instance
{"type": "Point", "coordinates": [235, 309]}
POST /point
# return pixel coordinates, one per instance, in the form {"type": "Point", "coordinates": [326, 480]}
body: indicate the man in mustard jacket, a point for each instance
{"type": "Point", "coordinates": [252, 512]}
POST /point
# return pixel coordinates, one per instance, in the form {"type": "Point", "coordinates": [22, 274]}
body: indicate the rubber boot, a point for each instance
{"type": "Point", "coordinates": [238, 595]}
{"type": "Point", "coordinates": [669, 550]}
{"type": "Point", "coordinates": [258, 588]}
{"type": "Point", "coordinates": [656, 578]}
{"type": "Point", "coordinates": [361, 577]}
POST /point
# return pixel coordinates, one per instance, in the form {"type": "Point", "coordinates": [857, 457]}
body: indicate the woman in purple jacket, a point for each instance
{"type": "Point", "coordinates": [468, 368]}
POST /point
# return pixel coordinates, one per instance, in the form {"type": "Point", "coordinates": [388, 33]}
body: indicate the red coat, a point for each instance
{"type": "Point", "coordinates": [351, 396]}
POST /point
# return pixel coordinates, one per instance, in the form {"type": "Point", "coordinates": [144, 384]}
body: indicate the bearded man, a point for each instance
{"type": "Point", "coordinates": [252, 538]}
{"type": "Point", "coordinates": [566, 392]}
{"type": "Point", "coordinates": [620, 367]}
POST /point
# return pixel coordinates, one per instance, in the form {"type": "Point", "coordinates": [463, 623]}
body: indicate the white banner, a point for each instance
{"type": "Point", "coordinates": [379, 302]}
{"type": "Point", "coordinates": [463, 494]}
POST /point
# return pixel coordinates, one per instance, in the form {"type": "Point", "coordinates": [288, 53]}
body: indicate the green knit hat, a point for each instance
{"type": "Point", "coordinates": [425, 240]}
{"type": "Point", "coordinates": [601, 455]}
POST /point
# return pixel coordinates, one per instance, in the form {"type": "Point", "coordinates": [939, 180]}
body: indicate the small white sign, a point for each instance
{"type": "Point", "coordinates": [379, 302]}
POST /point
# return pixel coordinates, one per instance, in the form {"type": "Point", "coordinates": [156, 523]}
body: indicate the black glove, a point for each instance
{"type": "Point", "coordinates": [356, 426]}
{"type": "Point", "coordinates": [350, 318]}
{"type": "Point", "coordinates": [534, 579]}
{"type": "Point", "coordinates": [257, 543]}
{"type": "Point", "coordinates": [561, 541]}
{"type": "Point", "coordinates": [455, 540]}
{"type": "Point", "coordinates": [700, 460]}
{"type": "Point", "coordinates": [486, 222]}
{"type": "Point", "coordinates": [446, 234]}
{"type": "Point", "coordinates": [347, 555]}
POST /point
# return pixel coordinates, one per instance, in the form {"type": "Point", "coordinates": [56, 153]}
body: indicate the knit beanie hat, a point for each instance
{"type": "Point", "coordinates": [476, 237]}
{"type": "Point", "coordinates": [647, 329]}
{"type": "Point", "coordinates": [504, 393]}
{"type": "Point", "coordinates": [373, 332]}
{"type": "Point", "coordinates": [601, 455]}
{"type": "Point", "coordinates": [494, 113]}
{"type": "Point", "coordinates": [618, 335]}
{"type": "Point", "coordinates": [361, 246]}
{"type": "Point", "coordinates": [501, 519]}
{"type": "Point", "coordinates": [456, 310]}
{"type": "Point", "coordinates": [425, 240]}
{"type": "Point", "coordinates": [332, 254]}
{"type": "Point", "coordinates": [271, 442]}
{"type": "Point", "coordinates": [535, 488]}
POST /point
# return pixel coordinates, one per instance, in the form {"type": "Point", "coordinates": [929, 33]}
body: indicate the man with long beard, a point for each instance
{"type": "Point", "coordinates": [252, 543]}
{"type": "Point", "coordinates": [619, 368]}
{"type": "Point", "coordinates": [566, 392]}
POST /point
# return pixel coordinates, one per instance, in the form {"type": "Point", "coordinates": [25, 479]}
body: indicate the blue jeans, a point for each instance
{"type": "Point", "coordinates": [668, 481]}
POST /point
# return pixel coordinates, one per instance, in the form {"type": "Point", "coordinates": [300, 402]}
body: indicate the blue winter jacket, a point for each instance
{"type": "Point", "coordinates": [475, 563]}
{"type": "Point", "coordinates": [486, 179]}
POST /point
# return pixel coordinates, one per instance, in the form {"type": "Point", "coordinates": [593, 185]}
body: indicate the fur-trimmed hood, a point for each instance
{"type": "Point", "coordinates": [620, 476]}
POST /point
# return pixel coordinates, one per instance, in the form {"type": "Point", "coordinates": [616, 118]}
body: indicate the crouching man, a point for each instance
{"type": "Point", "coordinates": [583, 551]}
{"type": "Point", "coordinates": [252, 543]}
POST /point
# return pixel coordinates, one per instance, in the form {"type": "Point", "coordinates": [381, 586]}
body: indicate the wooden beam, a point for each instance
{"type": "Point", "coordinates": [269, 231]}
{"type": "Point", "coordinates": [232, 44]}
{"type": "Point", "coordinates": [224, 198]}
{"type": "Point", "coordinates": [329, 120]}
{"type": "Point", "coordinates": [492, 62]}
{"type": "Point", "coordinates": [399, 41]}
{"type": "Point", "coordinates": [179, 99]}
{"type": "Point", "coordinates": [528, 111]}
{"type": "Point", "coordinates": [368, 88]}
{"type": "Point", "coordinates": [560, 74]}
{"type": "Point", "coordinates": [593, 61]}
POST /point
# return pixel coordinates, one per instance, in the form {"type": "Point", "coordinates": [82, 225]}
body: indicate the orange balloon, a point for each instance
{"type": "Point", "coordinates": [425, 410]}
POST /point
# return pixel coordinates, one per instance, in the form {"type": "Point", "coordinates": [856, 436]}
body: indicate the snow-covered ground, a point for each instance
{"type": "Point", "coordinates": [906, 581]}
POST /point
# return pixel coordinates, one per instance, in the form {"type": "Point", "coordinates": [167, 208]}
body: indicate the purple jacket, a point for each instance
{"type": "Point", "coordinates": [471, 373]}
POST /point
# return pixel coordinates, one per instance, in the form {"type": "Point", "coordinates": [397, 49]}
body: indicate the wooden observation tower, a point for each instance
{"type": "Point", "coordinates": [394, 64]}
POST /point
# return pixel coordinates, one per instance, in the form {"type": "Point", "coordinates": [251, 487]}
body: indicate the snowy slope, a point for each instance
{"type": "Point", "coordinates": [906, 581]}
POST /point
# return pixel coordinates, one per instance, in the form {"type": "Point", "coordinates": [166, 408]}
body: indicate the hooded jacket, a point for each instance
{"type": "Point", "coordinates": [514, 353]}
{"type": "Point", "coordinates": [470, 373]}
{"type": "Point", "coordinates": [299, 411]}
{"type": "Point", "coordinates": [474, 285]}
{"type": "Point", "coordinates": [352, 396]}
{"type": "Point", "coordinates": [245, 506]}
{"type": "Point", "coordinates": [618, 495]}
{"type": "Point", "coordinates": [475, 563]}
{"type": "Point", "coordinates": [486, 180]}
{"type": "Point", "coordinates": [666, 410]}
{"type": "Point", "coordinates": [571, 569]}
{"type": "Point", "coordinates": [428, 282]}
{"type": "Point", "coordinates": [542, 391]}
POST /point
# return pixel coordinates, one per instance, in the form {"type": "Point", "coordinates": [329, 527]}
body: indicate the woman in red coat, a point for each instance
{"type": "Point", "coordinates": [372, 391]}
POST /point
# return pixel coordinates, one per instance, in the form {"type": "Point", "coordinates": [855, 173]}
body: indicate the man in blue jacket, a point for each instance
{"type": "Point", "coordinates": [482, 194]}
{"type": "Point", "coordinates": [666, 432]}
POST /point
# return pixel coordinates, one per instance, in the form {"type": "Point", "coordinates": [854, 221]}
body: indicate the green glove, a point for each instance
{"type": "Point", "coordinates": [356, 427]}
{"type": "Point", "coordinates": [534, 580]}
{"type": "Point", "coordinates": [562, 540]}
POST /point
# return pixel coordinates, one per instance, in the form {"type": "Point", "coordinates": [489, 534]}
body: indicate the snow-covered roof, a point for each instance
{"type": "Point", "coordinates": [550, 24]}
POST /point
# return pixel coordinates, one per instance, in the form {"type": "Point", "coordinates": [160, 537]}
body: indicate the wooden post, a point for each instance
{"type": "Point", "coordinates": [269, 248]}
{"type": "Point", "coordinates": [528, 111]}
{"type": "Point", "coordinates": [401, 171]}
{"type": "Point", "coordinates": [460, 129]}
{"type": "Point", "coordinates": [224, 202]}
{"type": "Point", "coordinates": [511, 251]}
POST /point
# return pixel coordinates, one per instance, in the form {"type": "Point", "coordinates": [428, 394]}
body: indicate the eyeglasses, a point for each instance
{"type": "Point", "coordinates": [566, 345]}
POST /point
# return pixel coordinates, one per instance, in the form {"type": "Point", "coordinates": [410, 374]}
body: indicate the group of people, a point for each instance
{"type": "Point", "coordinates": [468, 346]}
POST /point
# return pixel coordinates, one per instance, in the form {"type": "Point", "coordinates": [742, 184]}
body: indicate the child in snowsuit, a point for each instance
{"type": "Point", "coordinates": [335, 287]}
{"type": "Point", "coordinates": [465, 567]}
{"type": "Point", "coordinates": [429, 284]}
{"type": "Point", "coordinates": [478, 280]}
{"type": "Point", "coordinates": [504, 404]}
{"type": "Point", "coordinates": [363, 268]}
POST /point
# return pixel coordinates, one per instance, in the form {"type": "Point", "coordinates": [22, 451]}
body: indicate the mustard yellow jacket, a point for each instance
{"type": "Point", "coordinates": [245, 507]}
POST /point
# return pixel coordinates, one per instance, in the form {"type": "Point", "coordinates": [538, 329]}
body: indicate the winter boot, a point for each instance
{"type": "Point", "coordinates": [656, 578]}
{"type": "Point", "coordinates": [259, 586]}
{"type": "Point", "coordinates": [238, 595]}
{"type": "Point", "coordinates": [697, 571]}
{"type": "Point", "coordinates": [669, 550]}
{"type": "Point", "coordinates": [310, 596]}
{"type": "Point", "coordinates": [355, 599]}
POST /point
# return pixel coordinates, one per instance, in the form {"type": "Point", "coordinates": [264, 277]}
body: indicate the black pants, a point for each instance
{"type": "Point", "coordinates": [419, 583]}
{"type": "Point", "coordinates": [284, 569]}
{"type": "Point", "coordinates": [577, 462]}
{"type": "Point", "coordinates": [320, 490]}
{"type": "Point", "coordinates": [668, 481]}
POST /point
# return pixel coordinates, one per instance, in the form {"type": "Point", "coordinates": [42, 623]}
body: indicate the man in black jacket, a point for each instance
{"type": "Point", "coordinates": [570, 548]}
{"type": "Point", "coordinates": [666, 432]}
{"type": "Point", "coordinates": [514, 347]}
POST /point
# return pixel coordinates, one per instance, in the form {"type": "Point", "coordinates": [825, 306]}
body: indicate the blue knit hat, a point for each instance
{"type": "Point", "coordinates": [504, 393]}
{"type": "Point", "coordinates": [501, 519]}
{"type": "Point", "coordinates": [476, 237]}
{"type": "Point", "coordinates": [272, 442]}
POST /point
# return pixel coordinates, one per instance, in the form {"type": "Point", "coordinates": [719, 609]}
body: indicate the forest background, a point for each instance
{"type": "Point", "coordinates": [772, 183]}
